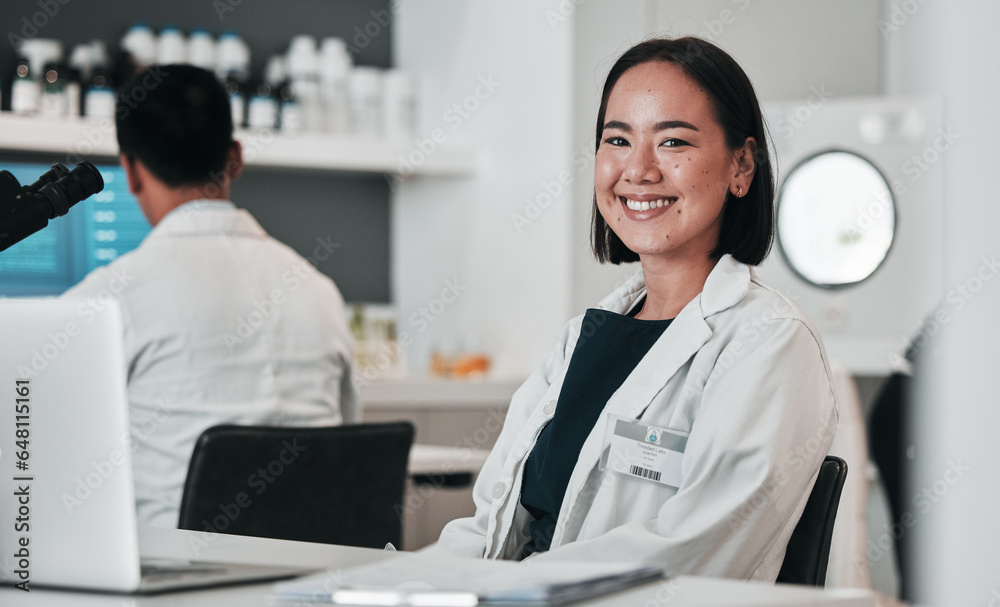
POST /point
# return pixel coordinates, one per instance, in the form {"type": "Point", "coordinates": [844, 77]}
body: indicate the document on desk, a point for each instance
{"type": "Point", "coordinates": [420, 580]}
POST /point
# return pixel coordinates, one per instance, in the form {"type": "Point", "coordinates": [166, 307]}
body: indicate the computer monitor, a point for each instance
{"type": "Point", "coordinates": [93, 233]}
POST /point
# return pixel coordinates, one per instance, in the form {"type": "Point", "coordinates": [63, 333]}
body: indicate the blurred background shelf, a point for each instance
{"type": "Point", "coordinates": [266, 149]}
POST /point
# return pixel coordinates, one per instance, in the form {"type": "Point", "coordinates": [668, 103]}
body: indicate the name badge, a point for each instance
{"type": "Point", "coordinates": [646, 452]}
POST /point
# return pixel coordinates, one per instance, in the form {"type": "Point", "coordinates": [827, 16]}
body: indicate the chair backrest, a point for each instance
{"type": "Point", "coordinates": [335, 485]}
{"type": "Point", "coordinates": [809, 547]}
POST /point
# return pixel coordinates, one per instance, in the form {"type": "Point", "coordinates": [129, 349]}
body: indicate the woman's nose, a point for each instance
{"type": "Point", "coordinates": [643, 166]}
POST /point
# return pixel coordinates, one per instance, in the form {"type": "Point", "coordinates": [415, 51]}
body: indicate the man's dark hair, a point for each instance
{"type": "Point", "coordinates": [748, 224]}
{"type": "Point", "coordinates": [176, 120]}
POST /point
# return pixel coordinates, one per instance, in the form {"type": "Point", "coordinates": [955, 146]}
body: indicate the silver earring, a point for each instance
{"type": "Point", "coordinates": [739, 191]}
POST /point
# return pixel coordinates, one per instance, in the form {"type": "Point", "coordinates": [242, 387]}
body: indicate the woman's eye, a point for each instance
{"type": "Point", "coordinates": [674, 143]}
{"type": "Point", "coordinates": [616, 141]}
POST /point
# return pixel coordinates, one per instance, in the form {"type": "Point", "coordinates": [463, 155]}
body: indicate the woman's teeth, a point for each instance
{"type": "Point", "coordinates": [646, 205]}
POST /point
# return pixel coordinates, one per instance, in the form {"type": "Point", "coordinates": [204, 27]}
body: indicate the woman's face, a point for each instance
{"type": "Point", "coordinates": [663, 168]}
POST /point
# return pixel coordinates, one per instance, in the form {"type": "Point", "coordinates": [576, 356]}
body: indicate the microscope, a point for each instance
{"type": "Point", "coordinates": [26, 209]}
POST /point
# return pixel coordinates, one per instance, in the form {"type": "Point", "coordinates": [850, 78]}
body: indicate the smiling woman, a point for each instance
{"type": "Point", "coordinates": [683, 421]}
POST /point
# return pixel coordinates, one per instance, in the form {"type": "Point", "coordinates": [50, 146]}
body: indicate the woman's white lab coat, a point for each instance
{"type": "Point", "coordinates": [739, 370]}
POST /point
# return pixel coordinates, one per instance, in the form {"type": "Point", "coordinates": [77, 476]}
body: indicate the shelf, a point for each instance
{"type": "Point", "coordinates": [85, 138]}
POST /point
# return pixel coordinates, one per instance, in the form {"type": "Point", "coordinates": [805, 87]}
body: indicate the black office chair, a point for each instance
{"type": "Point", "coordinates": [808, 549]}
{"type": "Point", "coordinates": [334, 485]}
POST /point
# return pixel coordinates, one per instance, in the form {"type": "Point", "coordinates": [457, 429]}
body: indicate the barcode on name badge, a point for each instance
{"type": "Point", "coordinates": [644, 473]}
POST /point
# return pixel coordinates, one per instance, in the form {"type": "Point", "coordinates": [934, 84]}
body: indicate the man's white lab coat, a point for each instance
{"type": "Point", "coordinates": [738, 369]}
{"type": "Point", "coordinates": [223, 324]}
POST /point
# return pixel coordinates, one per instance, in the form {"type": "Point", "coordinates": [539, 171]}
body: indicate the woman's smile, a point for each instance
{"type": "Point", "coordinates": [646, 204]}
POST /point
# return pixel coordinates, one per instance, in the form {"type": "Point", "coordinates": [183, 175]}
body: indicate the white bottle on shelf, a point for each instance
{"type": "Point", "coordinates": [171, 46]}
{"type": "Point", "coordinates": [335, 68]}
{"type": "Point", "coordinates": [289, 107]}
{"type": "Point", "coordinates": [55, 99]}
{"type": "Point", "coordinates": [262, 108]}
{"type": "Point", "coordinates": [201, 49]}
{"type": "Point", "coordinates": [365, 90]}
{"type": "Point", "coordinates": [26, 89]}
{"type": "Point", "coordinates": [303, 72]}
{"type": "Point", "coordinates": [233, 68]}
{"type": "Point", "coordinates": [399, 105]}
{"type": "Point", "coordinates": [140, 42]}
{"type": "Point", "coordinates": [81, 59]}
{"type": "Point", "coordinates": [99, 94]}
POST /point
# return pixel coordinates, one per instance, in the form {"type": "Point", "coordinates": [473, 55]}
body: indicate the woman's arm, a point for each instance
{"type": "Point", "coordinates": [764, 426]}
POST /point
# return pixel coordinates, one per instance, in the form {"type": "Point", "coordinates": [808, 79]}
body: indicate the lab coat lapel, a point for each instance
{"type": "Point", "coordinates": [682, 339]}
{"type": "Point", "coordinates": [726, 285]}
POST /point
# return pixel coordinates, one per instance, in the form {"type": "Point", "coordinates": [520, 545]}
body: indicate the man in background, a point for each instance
{"type": "Point", "coordinates": [223, 324]}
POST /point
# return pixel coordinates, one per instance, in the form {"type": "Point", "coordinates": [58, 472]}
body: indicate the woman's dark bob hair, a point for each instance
{"type": "Point", "coordinates": [748, 223]}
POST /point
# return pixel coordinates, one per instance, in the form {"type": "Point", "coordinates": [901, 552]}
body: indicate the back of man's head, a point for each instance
{"type": "Point", "coordinates": [176, 120]}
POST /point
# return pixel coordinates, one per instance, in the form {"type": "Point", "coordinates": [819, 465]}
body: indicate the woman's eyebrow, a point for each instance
{"type": "Point", "coordinates": [675, 124]}
{"type": "Point", "coordinates": [659, 126]}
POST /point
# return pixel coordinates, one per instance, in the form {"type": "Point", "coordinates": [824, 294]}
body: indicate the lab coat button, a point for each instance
{"type": "Point", "coordinates": [550, 407]}
{"type": "Point", "coordinates": [498, 490]}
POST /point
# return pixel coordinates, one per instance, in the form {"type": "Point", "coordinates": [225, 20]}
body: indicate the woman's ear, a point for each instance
{"type": "Point", "coordinates": [745, 165]}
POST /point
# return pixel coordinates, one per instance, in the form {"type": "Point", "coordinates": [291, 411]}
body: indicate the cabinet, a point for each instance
{"type": "Point", "coordinates": [464, 414]}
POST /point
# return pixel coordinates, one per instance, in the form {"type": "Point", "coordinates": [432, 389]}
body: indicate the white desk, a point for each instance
{"type": "Point", "coordinates": [679, 592]}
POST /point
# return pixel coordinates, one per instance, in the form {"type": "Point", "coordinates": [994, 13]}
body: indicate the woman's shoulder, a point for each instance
{"type": "Point", "coordinates": [762, 307]}
{"type": "Point", "coordinates": [763, 298]}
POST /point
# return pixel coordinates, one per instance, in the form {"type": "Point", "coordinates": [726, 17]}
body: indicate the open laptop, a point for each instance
{"type": "Point", "coordinates": [66, 479]}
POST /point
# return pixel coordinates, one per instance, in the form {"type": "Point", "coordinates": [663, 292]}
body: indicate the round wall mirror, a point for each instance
{"type": "Point", "coordinates": [836, 219]}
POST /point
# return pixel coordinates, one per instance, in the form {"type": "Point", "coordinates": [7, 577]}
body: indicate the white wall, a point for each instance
{"type": "Point", "coordinates": [950, 49]}
{"type": "Point", "coordinates": [517, 284]}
